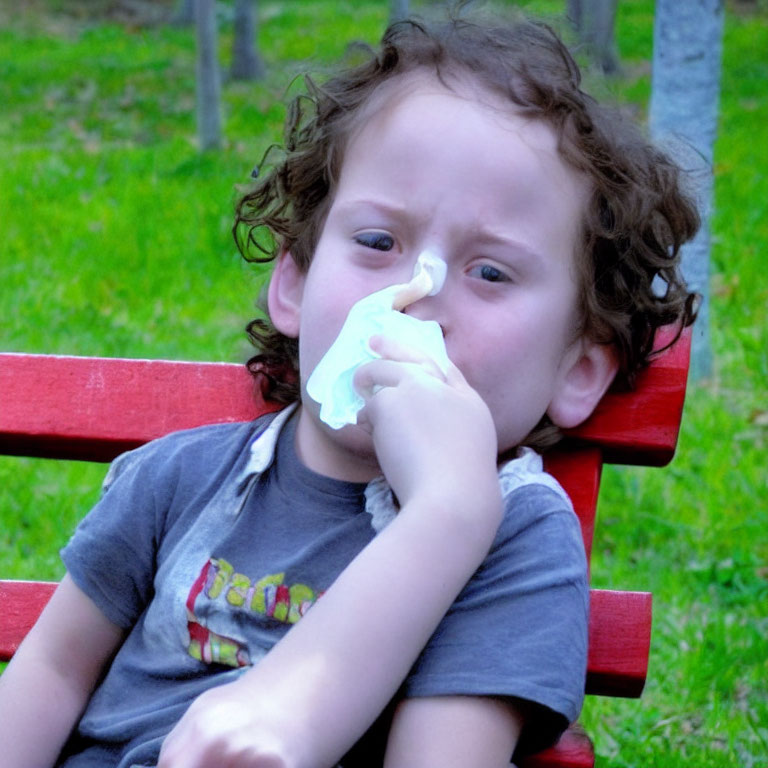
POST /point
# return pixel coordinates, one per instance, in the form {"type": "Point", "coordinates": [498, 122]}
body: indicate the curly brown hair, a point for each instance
{"type": "Point", "coordinates": [635, 222]}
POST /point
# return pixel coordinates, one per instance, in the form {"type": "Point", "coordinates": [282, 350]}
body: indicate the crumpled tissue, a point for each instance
{"type": "Point", "coordinates": [378, 314]}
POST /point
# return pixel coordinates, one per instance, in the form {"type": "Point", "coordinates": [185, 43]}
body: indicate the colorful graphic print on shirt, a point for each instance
{"type": "Point", "coordinates": [268, 596]}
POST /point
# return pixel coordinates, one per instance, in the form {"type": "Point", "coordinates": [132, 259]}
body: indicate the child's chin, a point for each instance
{"type": "Point", "coordinates": [356, 444]}
{"type": "Point", "coordinates": [355, 436]}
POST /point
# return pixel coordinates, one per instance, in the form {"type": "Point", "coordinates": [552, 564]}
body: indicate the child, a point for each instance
{"type": "Point", "coordinates": [452, 625]}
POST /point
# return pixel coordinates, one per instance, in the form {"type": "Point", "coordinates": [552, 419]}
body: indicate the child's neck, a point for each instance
{"type": "Point", "coordinates": [346, 454]}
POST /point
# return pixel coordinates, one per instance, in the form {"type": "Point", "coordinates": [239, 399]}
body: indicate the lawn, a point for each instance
{"type": "Point", "coordinates": [115, 241]}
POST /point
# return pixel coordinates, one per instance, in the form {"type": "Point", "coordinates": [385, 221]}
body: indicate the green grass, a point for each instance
{"type": "Point", "coordinates": [114, 240]}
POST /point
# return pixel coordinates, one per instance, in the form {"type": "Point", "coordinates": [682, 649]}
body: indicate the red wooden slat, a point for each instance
{"type": "Point", "coordinates": [96, 408]}
{"type": "Point", "coordinates": [574, 750]}
{"type": "Point", "coordinates": [619, 642]}
{"type": "Point", "coordinates": [21, 602]}
{"type": "Point", "coordinates": [578, 471]}
{"type": "Point", "coordinates": [619, 629]}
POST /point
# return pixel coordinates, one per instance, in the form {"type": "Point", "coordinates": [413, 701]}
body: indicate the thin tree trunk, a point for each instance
{"type": "Point", "coordinates": [246, 61]}
{"type": "Point", "coordinates": [687, 53]}
{"type": "Point", "coordinates": [208, 79]}
{"type": "Point", "coordinates": [398, 10]}
{"type": "Point", "coordinates": [599, 20]}
{"type": "Point", "coordinates": [184, 15]}
{"type": "Point", "coordinates": [594, 22]}
{"type": "Point", "coordinates": [573, 14]}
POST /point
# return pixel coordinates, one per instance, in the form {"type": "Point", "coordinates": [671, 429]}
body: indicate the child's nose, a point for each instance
{"type": "Point", "coordinates": [429, 308]}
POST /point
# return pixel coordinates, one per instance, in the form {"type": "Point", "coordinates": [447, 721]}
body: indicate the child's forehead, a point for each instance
{"type": "Point", "coordinates": [399, 89]}
{"type": "Point", "coordinates": [386, 107]}
{"type": "Point", "coordinates": [460, 158]}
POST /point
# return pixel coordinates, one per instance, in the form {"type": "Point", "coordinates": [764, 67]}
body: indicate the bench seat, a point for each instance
{"type": "Point", "coordinates": [62, 407]}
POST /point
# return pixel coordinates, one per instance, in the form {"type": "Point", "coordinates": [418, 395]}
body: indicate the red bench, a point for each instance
{"type": "Point", "coordinates": [95, 408]}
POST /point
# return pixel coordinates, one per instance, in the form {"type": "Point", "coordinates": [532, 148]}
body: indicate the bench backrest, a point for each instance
{"type": "Point", "coordinates": [95, 408]}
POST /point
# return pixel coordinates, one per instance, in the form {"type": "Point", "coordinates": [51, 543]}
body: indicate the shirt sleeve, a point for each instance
{"type": "Point", "coordinates": [519, 627]}
{"type": "Point", "coordinates": [149, 498]}
{"type": "Point", "coordinates": [111, 555]}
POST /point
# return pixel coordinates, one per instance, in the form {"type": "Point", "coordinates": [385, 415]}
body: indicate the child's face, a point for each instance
{"type": "Point", "coordinates": [485, 189]}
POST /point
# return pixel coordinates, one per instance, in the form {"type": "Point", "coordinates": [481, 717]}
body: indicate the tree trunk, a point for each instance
{"type": "Point", "coordinates": [208, 79]}
{"type": "Point", "coordinates": [573, 13]}
{"type": "Point", "coordinates": [398, 10]}
{"type": "Point", "coordinates": [246, 61]}
{"type": "Point", "coordinates": [687, 52]}
{"type": "Point", "coordinates": [595, 22]}
{"type": "Point", "coordinates": [184, 15]}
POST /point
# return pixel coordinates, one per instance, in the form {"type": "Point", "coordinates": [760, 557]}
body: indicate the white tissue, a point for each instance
{"type": "Point", "coordinates": [331, 382]}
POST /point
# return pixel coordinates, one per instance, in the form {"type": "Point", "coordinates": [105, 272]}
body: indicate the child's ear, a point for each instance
{"type": "Point", "coordinates": [286, 289]}
{"type": "Point", "coordinates": [586, 373]}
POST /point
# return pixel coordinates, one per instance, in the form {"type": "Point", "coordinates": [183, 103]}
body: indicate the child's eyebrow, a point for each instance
{"type": "Point", "coordinates": [357, 212]}
{"type": "Point", "coordinates": [500, 239]}
{"type": "Point", "coordinates": [381, 206]}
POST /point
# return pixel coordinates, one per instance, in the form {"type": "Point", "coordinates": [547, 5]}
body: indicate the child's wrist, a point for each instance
{"type": "Point", "coordinates": [478, 506]}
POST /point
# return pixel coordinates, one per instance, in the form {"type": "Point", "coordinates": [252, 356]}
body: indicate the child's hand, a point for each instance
{"type": "Point", "coordinates": [434, 435]}
{"type": "Point", "coordinates": [227, 726]}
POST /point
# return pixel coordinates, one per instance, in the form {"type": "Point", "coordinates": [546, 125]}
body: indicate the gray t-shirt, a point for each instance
{"type": "Point", "coordinates": [208, 544]}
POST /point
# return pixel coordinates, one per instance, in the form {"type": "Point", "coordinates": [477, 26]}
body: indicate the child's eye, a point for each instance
{"type": "Point", "coordinates": [379, 241]}
{"type": "Point", "coordinates": [490, 274]}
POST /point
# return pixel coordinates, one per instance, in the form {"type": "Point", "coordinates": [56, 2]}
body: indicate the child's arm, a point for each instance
{"type": "Point", "coordinates": [321, 686]}
{"type": "Point", "coordinates": [46, 686]}
{"type": "Point", "coordinates": [453, 732]}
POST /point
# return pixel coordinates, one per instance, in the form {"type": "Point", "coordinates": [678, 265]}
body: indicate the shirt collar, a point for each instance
{"type": "Point", "coordinates": [379, 500]}
{"type": "Point", "coordinates": [263, 445]}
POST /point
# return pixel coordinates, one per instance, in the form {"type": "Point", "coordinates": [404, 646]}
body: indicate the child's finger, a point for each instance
{"type": "Point", "coordinates": [377, 374]}
{"type": "Point", "coordinates": [371, 377]}
{"type": "Point", "coordinates": [391, 349]}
